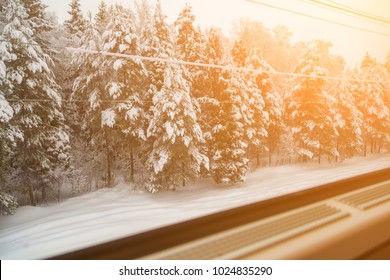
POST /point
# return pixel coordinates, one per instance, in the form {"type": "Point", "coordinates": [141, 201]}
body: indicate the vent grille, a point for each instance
{"type": "Point", "coordinates": [369, 197]}
{"type": "Point", "coordinates": [255, 235]}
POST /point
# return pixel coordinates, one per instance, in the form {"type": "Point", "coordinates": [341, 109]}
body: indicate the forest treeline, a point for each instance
{"type": "Point", "coordinates": [119, 104]}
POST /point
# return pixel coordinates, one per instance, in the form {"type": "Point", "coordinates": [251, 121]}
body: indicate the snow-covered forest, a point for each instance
{"type": "Point", "coordinates": [125, 94]}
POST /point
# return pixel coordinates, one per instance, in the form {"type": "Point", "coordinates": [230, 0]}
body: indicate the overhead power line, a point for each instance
{"type": "Point", "coordinates": [349, 12]}
{"type": "Point", "coordinates": [317, 18]}
{"type": "Point", "coordinates": [206, 65]}
{"type": "Point", "coordinates": [358, 12]}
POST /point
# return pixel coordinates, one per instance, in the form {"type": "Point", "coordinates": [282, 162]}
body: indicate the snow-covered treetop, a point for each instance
{"type": "Point", "coordinates": [101, 17]}
{"type": "Point", "coordinates": [19, 40]}
{"type": "Point", "coordinates": [120, 35]}
{"type": "Point", "coordinates": [239, 53]}
{"type": "Point", "coordinates": [215, 49]}
{"type": "Point", "coordinates": [187, 36]}
{"type": "Point", "coordinates": [310, 65]}
{"type": "Point", "coordinates": [367, 62]}
{"type": "Point", "coordinates": [76, 24]}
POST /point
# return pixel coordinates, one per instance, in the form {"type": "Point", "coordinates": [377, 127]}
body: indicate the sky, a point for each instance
{"type": "Point", "coordinates": [350, 43]}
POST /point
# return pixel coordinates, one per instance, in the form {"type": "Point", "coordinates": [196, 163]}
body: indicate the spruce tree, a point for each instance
{"type": "Point", "coordinates": [143, 13]}
{"type": "Point", "coordinates": [175, 157]}
{"type": "Point", "coordinates": [124, 79]}
{"type": "Point", "coordinates": [188, 39]}
{"type": "Point", "coordinates": [174, 135]}
{"type": "Point", "coordinates": [156, 42]}
{"type": "Point", "coordinates": [226, 116]}
{"type": "Point", "coordinates": [76, 25]}
{"type": "Point", "coordinates": [153, 44]}
{"type": "Point", "coordinates": [308, 110]}
{"type": "Point", "coordinates": [261, 93]}
{"type": "Point", "coordinates": [229, 163]}
{"type": "Point", "coordinates": [8, 203]}
{"type": "Point", "coordinates": [369, 93]}
{"type": "Point", "coordinates": [97, 118]}
{"type": "Point", "coordinates": [239, 54]}
{"type": "Point", "coordinates": [36, 14]}
{"type": "Point", "coordinates": [273, 104]}
{"type": "Point", "coordinates": [208, 93]}
{"type": "Point", "coordinates": [348, 121]}
{"type": "Point", "coordinates": [101, 17]}
{"type": "Point", "coordinates": [190, 46]}
{"type": "Point", "coordinates": [42, 147]}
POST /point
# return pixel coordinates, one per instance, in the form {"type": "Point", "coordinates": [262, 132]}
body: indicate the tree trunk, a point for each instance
{"type": "Point", "coordinates": [108, 157]}
{"type": "Point", "coordinates": [365, 149]}
{"type": "Point", "coordinates": [59, 191]}
{"type": "Point", "coordinates": [32, 195]}
{"type": "Point", "coordinates": [319, 155]}
{"type": "Point", "coordinates": [131, 165]}
{"type": "Point", "coordinates": [43, 193]}
{"type": "Point", "coordinates": [26, 175]}
{"type": "Point", "coordinates": [269, 155]}
{"type": "Point", "coordinates": [182, 170]}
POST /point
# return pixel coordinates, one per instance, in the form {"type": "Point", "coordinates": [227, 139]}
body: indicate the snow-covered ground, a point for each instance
{"type": "Point", "coordinates": [107, 214]}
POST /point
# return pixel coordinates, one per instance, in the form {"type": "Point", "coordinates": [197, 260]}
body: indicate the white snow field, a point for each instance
{"type": "Point", "coordinates": [107, 214]}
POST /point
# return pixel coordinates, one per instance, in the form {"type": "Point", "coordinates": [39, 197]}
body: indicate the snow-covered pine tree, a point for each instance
{"type": "Point", "coordinates": [348, 121]}
{"type": "Point", "coordinates": [8, 203]}
{"type": "Point", "coordinates": [143, 13]}
{"type": "Point", "coordinates": [190, 46]}
{"type": "Point", "coordinates": [76, 25]}
{"type": "Point", "coordinates": [308, 109]}
{"type": "Point", "coordinates": [175, 158]}
{"type": "Point", "coordinates": [188, 40]}
{"type": "Point", "coordinates": [207, 93]}
{"type": "Point", "coordinates": [40, 23]}
{"type": "Point", "coordinates": [124, 80]}
{"type": "Point", "coordinates": [153, 44]}
{"type": "Point", "coordinates": [266, 104]}
{"type": "Point", "coordinates": [174, 135]}
{"type": "Point", "coordinates": [369, 94]}
{"type": "Point", "coordinates": [101, 17]}
{"type": "Point", "coordinates": [43, 144]}
{"type": "Point", "coordinates": [225, 114]}
{"type": "Point", "coordinates": [96, 121]}
{"type": "Point", "coordinates": [229, 163]}
{"type": "Point", "coordinates": [252, 105]}
{"type": "Point", "coordinates": [239, 54]}
{"type": "Point", "coordinates": [156, 42]}
{"type": "Point", "coordinates": [36, 14]}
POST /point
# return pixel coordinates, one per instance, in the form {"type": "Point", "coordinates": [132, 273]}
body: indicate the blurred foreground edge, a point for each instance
{"type": "Point", "coordinates": [362, 203]}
